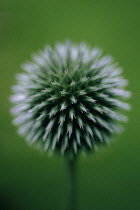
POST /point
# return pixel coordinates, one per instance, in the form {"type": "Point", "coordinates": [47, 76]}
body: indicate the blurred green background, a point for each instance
{"type": "Point", "coordinates": [110, 180]}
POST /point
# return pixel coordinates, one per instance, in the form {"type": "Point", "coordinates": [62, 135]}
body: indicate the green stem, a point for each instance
{"type": "Point", "coordinates": [72, 197]}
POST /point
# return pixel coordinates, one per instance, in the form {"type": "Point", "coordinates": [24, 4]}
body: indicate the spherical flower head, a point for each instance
{"type": "Point", "coordinates": [69, 99]}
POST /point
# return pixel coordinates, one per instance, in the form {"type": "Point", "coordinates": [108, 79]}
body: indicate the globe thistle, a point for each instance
{"type": "Point", "coordinates": [69, 98]}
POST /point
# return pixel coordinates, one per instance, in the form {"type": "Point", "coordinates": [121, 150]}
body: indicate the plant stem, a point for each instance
{"type": "Point", "coordinates": [72, 197]}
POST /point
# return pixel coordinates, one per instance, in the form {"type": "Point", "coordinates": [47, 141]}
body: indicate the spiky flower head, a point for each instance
{"type": "Point", "coordinates": [69, 98]}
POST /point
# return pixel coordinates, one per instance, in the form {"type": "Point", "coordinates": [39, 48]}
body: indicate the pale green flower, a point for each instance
{"type": "Point", "coordinates": [69, 98]}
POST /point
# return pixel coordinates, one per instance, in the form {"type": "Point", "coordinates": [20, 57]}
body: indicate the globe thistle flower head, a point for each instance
{"type": "Point", "coordinates": [69, 98]}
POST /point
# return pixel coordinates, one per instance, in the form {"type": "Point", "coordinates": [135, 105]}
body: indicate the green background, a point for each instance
{"type": "Point", "coordinates": [110, 180]}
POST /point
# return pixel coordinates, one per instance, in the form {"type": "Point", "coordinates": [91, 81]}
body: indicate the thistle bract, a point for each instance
{"type": "Point", "coordinates": [69, 98]}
